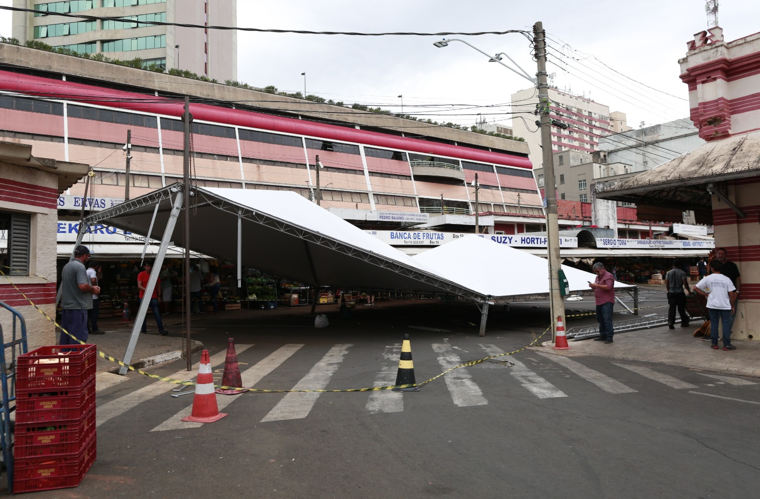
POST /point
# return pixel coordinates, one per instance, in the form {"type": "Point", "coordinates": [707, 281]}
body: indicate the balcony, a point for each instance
{"type": "Point", "coordinates": [437, 170]}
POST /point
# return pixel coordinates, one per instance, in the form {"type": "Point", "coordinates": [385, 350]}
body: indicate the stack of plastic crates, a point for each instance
{"type": "Point", "coordinates": [55, 417]}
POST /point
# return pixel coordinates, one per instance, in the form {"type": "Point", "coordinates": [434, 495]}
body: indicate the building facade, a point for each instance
{"type": "Point", "coordinates": [587, 122]}
{"type": "Point", "coordinates": [209, 53]}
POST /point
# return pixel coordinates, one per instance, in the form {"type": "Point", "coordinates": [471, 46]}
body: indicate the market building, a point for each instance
{"type": "Point", "coordinates": [718, 180]}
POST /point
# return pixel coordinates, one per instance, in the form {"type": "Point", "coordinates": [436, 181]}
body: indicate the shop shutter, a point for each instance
{"type": "Point", "coordinates": [18, 245]}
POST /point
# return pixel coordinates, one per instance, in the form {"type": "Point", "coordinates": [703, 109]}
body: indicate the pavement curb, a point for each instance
{"type": "Point", "coordinates": [162, 358]}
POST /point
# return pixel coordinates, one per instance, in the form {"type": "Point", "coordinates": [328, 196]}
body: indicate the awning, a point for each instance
{"type": "Point", "coordinates": [125, 251]}
{"type": "Point", "coordinates": [619, 253]}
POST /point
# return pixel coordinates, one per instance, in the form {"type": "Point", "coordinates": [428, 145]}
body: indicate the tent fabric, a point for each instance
{"type": "Point", "coordinates": [497, 270]}
{"type": "Point", "coordinates": [286, 235]}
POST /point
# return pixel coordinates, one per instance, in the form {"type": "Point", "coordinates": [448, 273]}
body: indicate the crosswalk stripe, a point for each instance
{"type": "Point", "coordinates": [604, 382]}
{"type": "Point", "coordinates": [657, 376]}
{"type": "Point", "coordinates": [298, 405]}
{"type": "Point", "coordinates": [119, 406]}
{"type": "Point", "coordinates": [726, 398]}
{"type": "Point", "coordinates": [250, 377]}
{"type": "Point", "coordinates": [531, 381]}
{"type": "Point", "coordinates": [729, 380]}
{"type": "Point", "coordinates": [464, 392]}
{"type": "Point", "coordinates": [387, 401]}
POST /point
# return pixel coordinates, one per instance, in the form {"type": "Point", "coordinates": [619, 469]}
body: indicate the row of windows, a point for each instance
{"type": "Point", "coordinates": [514, 172]}
{"type": "Point", "coordinates": [157, 17]}
{"type": "Point", "coordinates": [80, 48]}
{"type": "Point", "coordinates": [129, 3]}
{"type": "Point", "coordinates": [351, 197]}
{"type": "Point", "coordinates": [478, 167]}
{"type": "Point", "coordinates": [395, 200]}
{"type": "Point", "coordinates": [108, 116]}
{"type": "Point", "coordinates": [130, 44]}
{"type": "Point", "coordinates": [385, 154]}
{"type": "Point", "coordinates": [64, 29]}
{"type": "Point", "coordinates": [63, 7]}
{"type": "Point", "coordinates": [326, 145]}
{"type": "Point", "coordinates": [31, 105]}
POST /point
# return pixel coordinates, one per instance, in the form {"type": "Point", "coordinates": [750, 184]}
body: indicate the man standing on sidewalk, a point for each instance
{"type": "Point", "coordinates": [76, 298]}
{"type": "Point", "coordinates": [604, 293]}
{"type": "Point", "coordinates": [676, 282]}
{"type": "Point", "coordinates": [721, 303]}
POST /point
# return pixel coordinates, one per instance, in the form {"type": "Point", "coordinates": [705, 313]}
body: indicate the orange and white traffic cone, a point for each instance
{"type": "Point", "coordinates": [231, 372]}
{"type": "Point", "coordinates": [205, 409]}
{"type": "Point", "coordinates": [560, 340]}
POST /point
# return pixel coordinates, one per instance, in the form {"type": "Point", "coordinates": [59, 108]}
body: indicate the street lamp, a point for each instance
{"type": "Point", "coordinates": [544, 107]}
{"type": "Point", "coordinates": [477, 204]}
{"type": "Point", "coordinates": [402, 104]}
{"type": "Point", "coordinates": [177, 47]}
{"type": "Point", "coordinates": [304, 84]}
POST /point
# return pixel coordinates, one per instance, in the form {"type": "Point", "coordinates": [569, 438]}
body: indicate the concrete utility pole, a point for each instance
{"type": "Point", "coordinates": [128, 148]}
{"type": "Point", "coordinates": [552, 225]}
{"type": "Point", "coordinates": [187, 119]}
{"type": "Point", "coordinates": [477, 205]}
{"type": "Point", "coordinates": [318, 196]}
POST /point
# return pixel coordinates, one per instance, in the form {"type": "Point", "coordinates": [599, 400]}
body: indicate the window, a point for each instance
{"type": "Point", "coordinates": [130, 44]}
{"type": "Point", "coordinates": [584, 198]}
{"type": "Point", "coordinates": [561, 177]}
{"type": "Point", "coordinates": [562, 196]}
{"type": "Point", "coordinates": [582, 184]}
{"type": "Point", "coordinates": [15, 228]}
{"type": "Point", "coordinates": [562, 159]}
{"type": "Point", "coordinates": [540, 180]}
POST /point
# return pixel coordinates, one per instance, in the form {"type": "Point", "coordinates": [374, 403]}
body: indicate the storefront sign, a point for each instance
{"type": "Point", "coordinates": [99, 233]}
{"type": "Point", "coordinates": [652, 243]}
{"type": "Point", "coordinates": [528, 241]}
{"type": "Point", "coordinates": [399, 216]}
{"type": "Point", "coordinates": [90, 204]}
{"type": "Point", "coordinates": [690, 230]}
{"type": "Point", "coordinates": [414, 238]}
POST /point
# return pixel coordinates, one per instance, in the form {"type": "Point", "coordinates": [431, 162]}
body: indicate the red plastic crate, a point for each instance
{"type": "Point", "coordinates": [54, 472]}
{"type": "Point", "coordinates": [56, 367]}
{"type": "Point", "coordinates": [61, 405]}
{"type": "Point", "coordinates": [65, 437]}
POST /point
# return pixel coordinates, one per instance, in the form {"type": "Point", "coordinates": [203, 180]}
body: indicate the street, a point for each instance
{"type": "Point", "coordinates": [530, 425]}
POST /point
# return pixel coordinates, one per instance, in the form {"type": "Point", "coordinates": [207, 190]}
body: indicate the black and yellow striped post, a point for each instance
{"type": "Point", "coordinates": [405, 374]}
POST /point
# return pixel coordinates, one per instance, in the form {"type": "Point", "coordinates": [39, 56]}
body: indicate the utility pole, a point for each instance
{"type": "Point", "coordinates": [557, 304]}
{"type": "Point", "coordinates": [319, 192]}
{"type": "Point", "coordinates": [187, 119]}
{"type": "Point", "coordinates": [128, 148]}
{"type": "Point", "coordinates": [477, 205]}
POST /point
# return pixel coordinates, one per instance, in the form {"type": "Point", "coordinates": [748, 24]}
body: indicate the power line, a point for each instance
{"type": "Point", "coordinates": [263, 30]}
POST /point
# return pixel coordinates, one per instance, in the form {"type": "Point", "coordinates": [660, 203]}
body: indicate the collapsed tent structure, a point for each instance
{"type": "Point", "coordinates": [283, 234]}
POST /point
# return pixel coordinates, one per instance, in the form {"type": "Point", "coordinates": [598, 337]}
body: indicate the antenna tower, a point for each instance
{"type": "Point", "coordinates": [711, 7]}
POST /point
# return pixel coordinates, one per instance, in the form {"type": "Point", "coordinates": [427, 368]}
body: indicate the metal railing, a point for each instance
{"type": "Point", "coordinates": [447, 210]}
{"type": "Point", "coordinates": [436, 164]}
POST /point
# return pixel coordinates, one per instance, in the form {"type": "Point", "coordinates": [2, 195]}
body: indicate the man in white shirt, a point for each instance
{"type": "Point", "coordinates": [721, 303]}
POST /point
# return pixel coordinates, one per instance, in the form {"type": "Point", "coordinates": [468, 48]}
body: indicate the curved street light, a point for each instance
{"type": "Point", "coordinates": [495, 58]}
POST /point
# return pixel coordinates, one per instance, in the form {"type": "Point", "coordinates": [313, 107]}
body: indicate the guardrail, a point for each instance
{"type": "Point", "coordinates": [447, 210]}
{"type": "Point", "coordinates": [436, 164]}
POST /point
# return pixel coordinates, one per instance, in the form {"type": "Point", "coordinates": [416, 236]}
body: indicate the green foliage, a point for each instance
{"type": "Point", "coordinates": [270, 89]}
{"type": "Point", "coordinates": [12, 41]}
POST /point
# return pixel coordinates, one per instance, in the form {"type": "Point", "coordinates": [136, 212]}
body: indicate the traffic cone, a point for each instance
{"type": "Point", "coordinates": [231, 371]}
{"type": "Point", "coordinates": [205, 409]}
{"type": "Point", "coordinates": [405, 374]}
{"type": "Point", "coordinates": [560, 341]}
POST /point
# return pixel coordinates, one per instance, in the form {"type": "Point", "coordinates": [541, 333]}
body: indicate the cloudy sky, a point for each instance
{"type": "Point", "coordinates": [640, 40]}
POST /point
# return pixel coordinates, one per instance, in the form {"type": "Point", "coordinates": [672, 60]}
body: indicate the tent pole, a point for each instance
{"type": "Point", "coordinates": [636, 300]}
{"type": "Point", "coordinates": [239, 254]}
{"type": "Point", "coordinates": [314, 275]}
{"type": "Point", "coordinates": [483, 318]}
{"type": "Point", "coordinates": [143, 309]}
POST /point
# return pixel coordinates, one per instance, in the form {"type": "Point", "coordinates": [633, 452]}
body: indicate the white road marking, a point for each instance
{"type": "Point", "coordinates": [729, 380]}
{"type": "Point", "coordinates": [604, 382]}
{"type": "Point", "coordinates": [531, 381]}
{"type": "Point", "coordinates": [298, 405]}
{"type": "Point", "coordinates": [122, 404]}
{"type": "Point", "coordinates": [387, 400]}
{"type": "Point", "coordinates": [464, 392]}
{"type": "Point", "coordinates": [250, 377]}
{"type": "Point", "coordinates": [659, 377]}
{"type": "Point", "coordinates": [726, 398]}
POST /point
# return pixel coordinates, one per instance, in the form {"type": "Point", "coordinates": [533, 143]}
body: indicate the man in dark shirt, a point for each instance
{"type": "Point", "coordinates": [676, 282]}
{"type": "Point", "coordinates": [731, 271]}
{"type": "Point", "coordinates": [76, 298]}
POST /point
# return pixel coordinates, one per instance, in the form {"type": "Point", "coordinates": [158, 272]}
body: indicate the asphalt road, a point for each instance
{"type": "Point", "coordinates": [519, 426]}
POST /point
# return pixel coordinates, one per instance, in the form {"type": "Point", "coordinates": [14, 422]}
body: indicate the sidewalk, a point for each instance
{"type": "Point", "coordinates": [675, 347]}
{"type": "Point", "coordinates": [152, 349]}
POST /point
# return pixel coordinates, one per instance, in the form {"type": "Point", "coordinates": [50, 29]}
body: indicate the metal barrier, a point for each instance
{"type": "Point", "coordinates": [11, 350]}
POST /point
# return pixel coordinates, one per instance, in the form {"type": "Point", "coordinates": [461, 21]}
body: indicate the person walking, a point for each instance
{"type": "Point", "coordinates": [702, 267]}
{"type": "Point", "coordinates": [76, 298]}
{"type": "Point", "coordinates": [94, 273]}
{"type": "Point", "coordinates": [731, 271]}
{"type": "Point", "coordinates": [604, 294]}
{"type": "Point", "coordinates": [213, 287]}
{"type": "Point", "coordinates": [676, 282]}
{"type": "Point", "coordinates": [721, 303]}
{"type": "Point", "coordinates": [142, 283]}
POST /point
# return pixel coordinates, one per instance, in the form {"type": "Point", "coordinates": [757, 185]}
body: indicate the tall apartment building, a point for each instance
{"type": "Point", "coordinates": [587, 122]}
{"type": "Point", "coordinates": [210, 53]}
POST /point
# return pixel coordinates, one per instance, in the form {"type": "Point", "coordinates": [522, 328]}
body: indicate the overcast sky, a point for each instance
{"type": "Point", "coordinates": [642, 40]}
